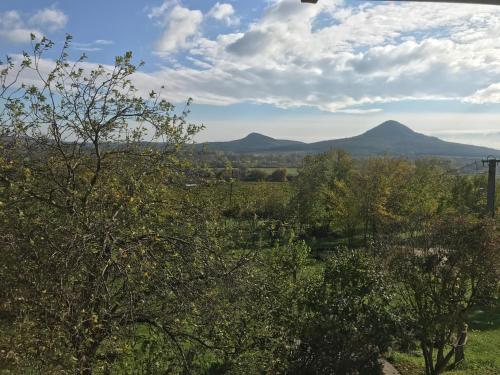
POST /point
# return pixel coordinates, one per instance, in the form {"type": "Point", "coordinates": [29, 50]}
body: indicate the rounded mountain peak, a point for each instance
{"type": "Point", "coordinates": [390, 128]}
{"type": "Point", "coordinates": [256, 136]}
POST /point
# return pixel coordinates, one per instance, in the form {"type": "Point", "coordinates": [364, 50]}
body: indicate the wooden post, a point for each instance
{"type": "Point", "coordinates": [492, 169]}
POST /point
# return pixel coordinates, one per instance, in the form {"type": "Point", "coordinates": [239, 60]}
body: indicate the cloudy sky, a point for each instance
{"type": "Point", "coordinates": [293, 70]}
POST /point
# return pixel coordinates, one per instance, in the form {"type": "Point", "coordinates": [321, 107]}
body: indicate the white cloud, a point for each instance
{"type": "Point", "coordinates": [10, 20]}
{"type": "Point", "coordinates": [162, 9]}
{"type": "Point", "coordinates": [50, 19]}
{"type": "Point", "coordinates": [103, 42]}
{"type": "Point", "coordinates": [224, 12]}
{"type": "Point", "coordinates": [180, 26]}
{"type": "Point", "coordinates": [19, 35]}
{"type": "Point", "coordinates": [96, 45]}
{"type": "Point", "coordinates": [338, 58]}
{"type": "Point", "coordinates": [490, 94]}
{"type": "Point", "coordinates": [330, 56]}
{"type": "Point", "coordinates": [16, 30]}
{"type": "Point", "coordinates": [12, 28]}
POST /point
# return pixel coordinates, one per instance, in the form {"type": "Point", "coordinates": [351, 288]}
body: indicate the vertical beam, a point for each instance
{"type": "Point", "coordinates": [492, 168]}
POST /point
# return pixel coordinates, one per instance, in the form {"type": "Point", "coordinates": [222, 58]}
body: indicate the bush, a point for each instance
{"type": "Point", "coordinates": [256, 175]}
{"type": "Point", "coordinates": [279, 175]}
{"type": "Point", "coordinates": [348, 321]}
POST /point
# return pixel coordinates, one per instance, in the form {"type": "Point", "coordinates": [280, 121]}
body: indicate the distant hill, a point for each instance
{"type": "Point", "coordinates": [390, 137]}
{"type": "Point", "coordinates": [253, 143]}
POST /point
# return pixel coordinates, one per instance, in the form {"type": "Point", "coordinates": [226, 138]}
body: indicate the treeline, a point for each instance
{"type": "Point", "coordinates": [381, 196]}
{"type": "Point", "coordinates": [131, 260]}
{"type": "Point", "coordinates": [220, 159]}
{"type": "Point", "coordinates": [358, 199]}
{"type": "Point", "coordinates": [252, 174]}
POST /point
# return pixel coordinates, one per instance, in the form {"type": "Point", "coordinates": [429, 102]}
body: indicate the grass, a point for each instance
{"type": "Point", "coordinates": [482, 353]}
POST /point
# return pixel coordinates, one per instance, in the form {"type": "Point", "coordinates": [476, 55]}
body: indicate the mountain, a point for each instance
{"type": "Point", "coordinates": [252, 143]}
{"type": "Point", "coordinates": [390, 137]}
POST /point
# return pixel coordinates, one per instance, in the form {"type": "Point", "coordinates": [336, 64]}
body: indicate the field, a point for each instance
{"type": "Point", "coordinates": [482, 353]}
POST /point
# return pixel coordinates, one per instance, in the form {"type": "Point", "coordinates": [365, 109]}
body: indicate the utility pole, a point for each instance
{"type": "Point", "coordinates": [492, 169]}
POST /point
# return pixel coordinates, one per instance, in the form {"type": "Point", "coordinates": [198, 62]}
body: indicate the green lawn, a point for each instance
{"type": "Point", "coordinates": [482, 353]}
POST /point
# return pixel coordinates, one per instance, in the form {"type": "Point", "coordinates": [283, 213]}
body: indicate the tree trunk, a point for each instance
{"type": "Point", "coordinates": [459, 348]}
{"type": "Point", "coordinates": [86, 356]}
{"type": "Point", "coordinates": [440, 354]}
{"type": "Point", "coordinates": [84, 365]}
{"type": "Point", "coordinates": [442, 361]}
{"type": "Point", "coordinates": [427, 352]}
{"type": "Point", "coordinates": [350, 232]}
{"type": "Point", "coordinates": [365, 239]}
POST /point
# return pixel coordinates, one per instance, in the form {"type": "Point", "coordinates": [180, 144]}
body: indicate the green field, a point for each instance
{"type": "Point", "coordinates": [482, 353]}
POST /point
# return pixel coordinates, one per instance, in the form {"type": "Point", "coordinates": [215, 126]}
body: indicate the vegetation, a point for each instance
{"type": "Point", "coordinates": [349, 323]}
{"type": "Point", "coordinates": [440, 280]}
{"type": "Point", "coordinates": [123, 252]}
{"type": "Point", "coordinates": [482, 349]}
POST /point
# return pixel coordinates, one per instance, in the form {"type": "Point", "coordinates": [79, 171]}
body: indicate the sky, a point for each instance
{"type": "Point", "coordinates": [292, 70]}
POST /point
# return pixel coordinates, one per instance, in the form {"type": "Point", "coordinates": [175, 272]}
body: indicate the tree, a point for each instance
{"type": "Point", "coordinates": [468, 194]}
{"type": "Point", "coordinates": [98, 234]}
{"type": "Point", "coordinates": [426, 193]}
{"type": "Point", "coordinates": [278, 175]}
{"type": "Point", "coordinates": [347, 320]}
{"type": "Point", "coordinates": [441, 275]}
{"type": "Point", "coordinates": [343, 201]}
{"type": "Point", "coordinates": [383, 194]}
{"type": "Point", "coordinates": [267, 315]}
{"type": "Point", "coordinates": [386, 196]}
{"type": "Point", "coordinates": [256, 175]}
{"type": "Point", "coordinates": [318, 175]}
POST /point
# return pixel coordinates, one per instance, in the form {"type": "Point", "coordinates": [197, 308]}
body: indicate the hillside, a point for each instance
{"type": "Point", "coordinates": [390, 137]}
{"type": "Point", "coordinates": [252, 143]}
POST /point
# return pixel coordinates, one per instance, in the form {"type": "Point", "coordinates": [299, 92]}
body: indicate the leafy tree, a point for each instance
{"type": "Point", "coordinates": [99, 235]}
{"type": "Point", "coordinates": [256, 200]}
{"type": "Point", "coordinates": [385, 196]}
{"type": "Point", "coordinates": [348, 319]}
{"type": "Point", "coordinates": [468, 194]}
{"type": "Point", "coordinates": [256, 175]}
{"type": "Point", "coordinates": [319, 174]}
{"type": "Point", "coordinates": [278, 175]}
{"type": "Point", "coordinates": [427, 189]}
{"type": "Point", "coordinates": [269, 308]}
{"type": "Point", "coordinates": [441, 275]}
{"type": "Point", "coordinates": [344, 205]}
{"type": "Point", "coordinates": [383, 193]}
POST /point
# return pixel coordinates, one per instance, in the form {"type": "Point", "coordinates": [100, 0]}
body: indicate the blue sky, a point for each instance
{"type": "Point", "coordinates": [293, 70]}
